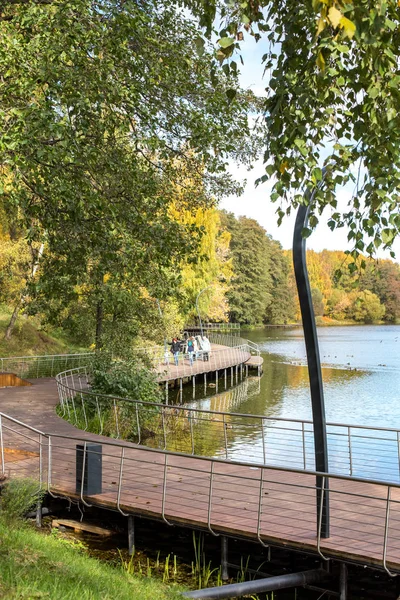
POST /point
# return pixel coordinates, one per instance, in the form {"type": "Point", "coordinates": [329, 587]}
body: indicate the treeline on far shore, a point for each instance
{"type": "Point", "coordinates": [263, 291]}
{"type": "Point", "coordinates": [231, 270]}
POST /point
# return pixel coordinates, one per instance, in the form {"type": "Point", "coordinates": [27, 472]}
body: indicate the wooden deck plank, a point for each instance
{"type": "Point", "coordinates": [288, 515]}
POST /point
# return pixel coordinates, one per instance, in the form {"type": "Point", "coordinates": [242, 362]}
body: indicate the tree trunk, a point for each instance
{"type": "Point", "coordinates": [35, 264]}
{"type": "Point", "coordinates": [99, 324]}
{"type": "Point", "coordinates": [11, 325]}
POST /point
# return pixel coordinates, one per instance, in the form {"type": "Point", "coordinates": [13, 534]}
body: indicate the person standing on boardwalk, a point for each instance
{"type": "Point", "coordinates": [190, 349]}
{"type": "Point", "coordinates": [175, 349]}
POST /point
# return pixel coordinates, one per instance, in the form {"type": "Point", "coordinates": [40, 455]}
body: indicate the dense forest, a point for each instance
{"type": "Point", "coordinates": [116, 134]}
{"type": "Point", "coordinates": [242, 273]}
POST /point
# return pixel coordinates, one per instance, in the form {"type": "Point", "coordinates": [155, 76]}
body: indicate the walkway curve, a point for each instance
{"type": "Point", "coordinates": [274, 505]}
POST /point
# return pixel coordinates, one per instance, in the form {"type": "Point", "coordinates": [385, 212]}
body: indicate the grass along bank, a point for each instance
{"type": "Point", "coordinates": [36, 565]}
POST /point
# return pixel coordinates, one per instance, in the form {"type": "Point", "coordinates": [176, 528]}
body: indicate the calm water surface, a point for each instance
{"type": "Point", "coordinates": [361, 373]}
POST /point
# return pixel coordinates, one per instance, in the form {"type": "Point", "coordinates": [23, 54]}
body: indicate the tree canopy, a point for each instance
{"type": "Point", "coordinates": [104, 111]}
{"type": "Point", "coordinates": [332, 82]}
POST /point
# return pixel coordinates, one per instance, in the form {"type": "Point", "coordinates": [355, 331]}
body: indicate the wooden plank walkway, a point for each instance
{"type": "Point", "coordinates": [221, 357]}
{"type": "Point", "coordinates": [177, 487]}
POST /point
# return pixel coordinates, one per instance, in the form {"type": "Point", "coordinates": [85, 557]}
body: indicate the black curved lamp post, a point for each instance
{"type": "Point", "coordinates": [314, 363]}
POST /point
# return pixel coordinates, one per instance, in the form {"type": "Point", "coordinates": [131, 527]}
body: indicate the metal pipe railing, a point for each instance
{"type": "Point", "coordinates": [216, 493]}
{"type": "Point", "coordinates": [358, 450]}
{"type": "Point", "coordinates": [33, 367]}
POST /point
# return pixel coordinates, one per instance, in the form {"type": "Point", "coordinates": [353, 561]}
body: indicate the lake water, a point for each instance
{"type": "Point", "coordinates": [361, 374]}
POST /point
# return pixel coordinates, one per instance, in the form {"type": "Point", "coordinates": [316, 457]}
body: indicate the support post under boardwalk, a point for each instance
{"type": "Point", "coordinates": [224, 558]}
{"type": "Point", "coordinates": [313, 362]}
{"type": "Point", "coordinates": [39, 514]}
{"type": "Point", "coordinates": [343, 581]}
{"type": "Point", "coordinates": [131, 535]}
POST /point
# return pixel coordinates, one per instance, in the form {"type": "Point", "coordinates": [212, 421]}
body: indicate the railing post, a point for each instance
{"type": "Point", "coordinates": [225, 436]}
{"type": "Point", "coordinates": [321, 514]}
{"type": "Point", "coordinates": [49, 458]}
{"type": "Point", "coordinates": [138, 422]}
{"type": "Point", "coordinates": [350, 451]}
{"type": "Point", "coordinates": [2, 445]}
{"type": "Point", "coordinates": [385, 540]}
{"type": "Point", "coordinates": [313, 357]}
{"type": "Point", "coordinates": [263, 441]}
{"type": "Point", "coordinates": [120, 483]}
{"type": "Point", "coordinates": [99, 413]}
{"type": "Point", "coordinates": [260, 499]}
{"type": "Point", "coordinates": [164, 493]}
{"type": "Point", "coordinates": [116, 417]}
{"type": "Point", "coordinates": [163, 426]}
{"type": "Point", "coordinates": [210, 500]}
{"type": "Point", "coordinates": [191, 431]}
{"type": "Point", "coordinates": [398, 452]}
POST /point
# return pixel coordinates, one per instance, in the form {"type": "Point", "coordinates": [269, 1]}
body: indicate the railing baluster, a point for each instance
{"type": "Point", "coordinates": [84, 411]}
{"type": "Point", "coordinates": [164, 494]}
{"type": "Point", "coordinates": [350, 451]}
{"type": "Point", "coordinates": [263, 441]}
{"type": "Point", "coordinates": [303, 435]}
{"type": "Point", "coordinates": [49, 465]}
{"type": "Point", "coordinates": [385, 539]}
{"type": "Point", "coordinates": [210, 500]}
{"type": "Point", "coordinates": [99, 413]}
{"type": "Point", "coordinates": [398, 452]}
{"type": "Point", "coordinates": [40, 461]}
{"type": "Point", "coordinates": [163, 426]}
{"type": "Point", "coordinates": [191, 430]}
{"type": "Point", "coordinates": [120, 483]}
{"type": "Point", "coordinates": [116, 418]}
{"type": "Point", "coordinates": [138, 422]}
{"type": "Point", "coordinates": [2, 446]}
{"type": "Point", "coordinates": [225, 436]}
{"type": "Point", "coordinates": [260, 499]}
{"type": "Point", "coordinates": [83, 474]}
{"type": "Point", "coordinates": [320, 514]}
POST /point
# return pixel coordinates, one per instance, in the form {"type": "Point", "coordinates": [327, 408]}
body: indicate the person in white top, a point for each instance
{"type": "Point", "coordinates": [205, 342]}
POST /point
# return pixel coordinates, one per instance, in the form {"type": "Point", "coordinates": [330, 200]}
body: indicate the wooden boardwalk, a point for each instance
{"type": "Point", "coordinates": [221, 357]}
{"type": "Point", "coordinates": [240, 500]}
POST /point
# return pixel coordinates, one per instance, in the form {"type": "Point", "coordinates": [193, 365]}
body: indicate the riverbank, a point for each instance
{"type": "Point", "coordinates": [38, 565]}
{"type": "Point", "coordinates": [320, 321]}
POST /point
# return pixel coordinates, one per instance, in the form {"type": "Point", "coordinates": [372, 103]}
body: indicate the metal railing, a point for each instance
{"type": "Point", "coordinates": [217, 359]}
{"type": "Point", "coordinates": [33, 367]}
{"type": "Point", "coordinates": [361, 451]}
{"type": "Point", "coordinates": [236, 351]}
{"type": "Point", "coordinates": [270, 504]}
{"type": "Point", "coordinates": [233, 328]}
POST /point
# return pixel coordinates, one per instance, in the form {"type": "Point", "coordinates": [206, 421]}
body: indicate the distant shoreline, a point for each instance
{"type": "Point", "coordinates": [321, 322]}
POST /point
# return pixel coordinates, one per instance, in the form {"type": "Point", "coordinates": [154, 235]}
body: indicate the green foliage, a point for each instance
{"type": "Point", "coordinates": [259, 289]}
{"type": "Point", "coordinates": [34, 565]}
{"type": "Point", "coordinates": [18, 497]}
{"type": "Point", "coordinates": [366, 307]}
{"type": "Point", "coordinates": [107, 111]}
{"type": "Point", "coordinates": [332, 99]}
{"type": "Point", "coordinates": [318, 302]}
{"type": "Point", "coordinates": [125, 379]}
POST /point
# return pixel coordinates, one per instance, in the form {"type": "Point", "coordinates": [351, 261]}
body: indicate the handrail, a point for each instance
{"type": "Point", "coordinates": [2, 414]}
{"type": "Point", "coordinates": [217, 479]}
{"type": "Point", "coordinates": [267, 440]}
{"type": "Point", "coordinates": [207, 459]}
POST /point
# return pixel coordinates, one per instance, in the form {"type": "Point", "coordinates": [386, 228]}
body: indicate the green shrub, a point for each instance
{"type": "Point", "coordinates": [124, 378]}
{"type": "Point", "coordinates": [18, 497]}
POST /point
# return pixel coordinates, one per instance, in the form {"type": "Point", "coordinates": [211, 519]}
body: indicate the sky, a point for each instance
{"type": "Point", "coordinates": [255, 202]}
